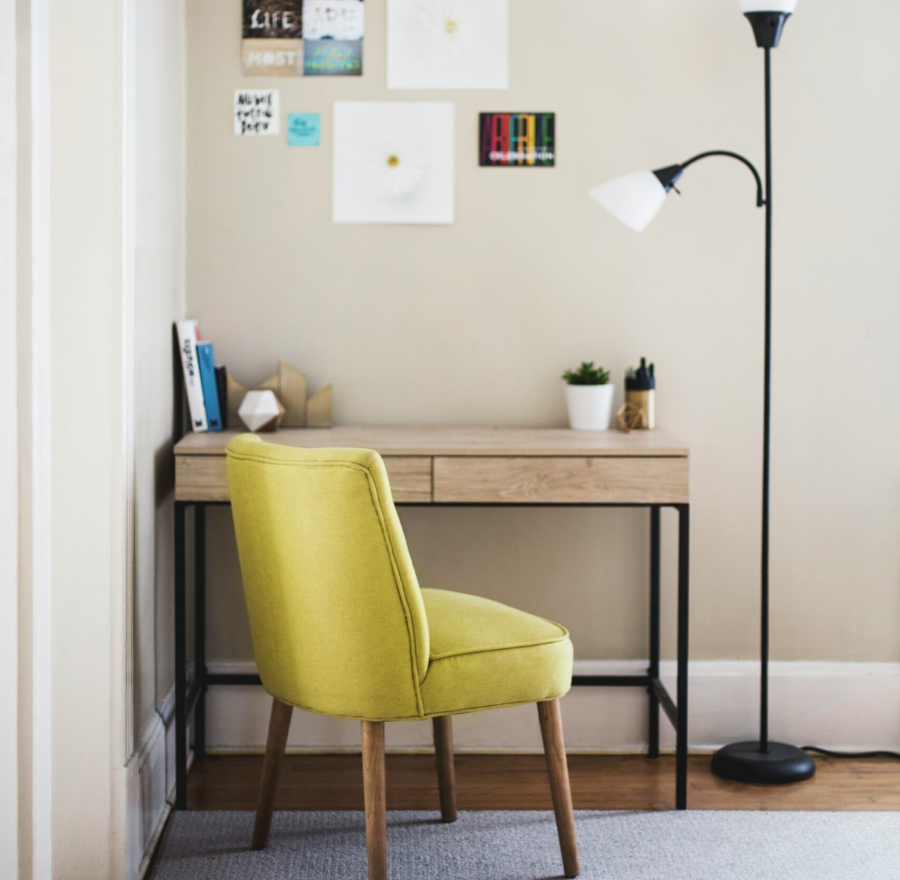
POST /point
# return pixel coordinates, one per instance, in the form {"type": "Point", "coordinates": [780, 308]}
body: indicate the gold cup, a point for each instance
{"type": "Point", "coordinates": [646, 402]}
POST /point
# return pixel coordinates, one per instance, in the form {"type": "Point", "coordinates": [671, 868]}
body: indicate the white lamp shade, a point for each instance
{"type": "Point", "coordinates": [634, 198]}
{"type": "Point", "coordinates": [787, 6]}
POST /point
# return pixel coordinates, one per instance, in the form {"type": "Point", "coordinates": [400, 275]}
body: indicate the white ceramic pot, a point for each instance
{"type": "Point", "coordinates": [590, 406]}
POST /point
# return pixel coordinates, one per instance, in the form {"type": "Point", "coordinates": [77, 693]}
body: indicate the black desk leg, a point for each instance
{"type": "Point", "coordinates": [681, 747]}
{"type": "Point", "coordinates": [200, 629]}
{"type": "Point", "coordinates": [180, 659]}
{"type": "Point", "coordinates": [653, 736]}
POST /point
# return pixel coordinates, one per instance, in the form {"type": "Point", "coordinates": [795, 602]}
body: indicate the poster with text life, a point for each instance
{"type": "Point", "coordinates": [333, 32]}
{"type": "Point", "coordinates": [519, 140]}
{"type": "Point", "coordinates": [272, 43]}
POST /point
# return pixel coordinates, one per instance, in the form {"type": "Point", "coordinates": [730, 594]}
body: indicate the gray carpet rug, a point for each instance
{"type": "Point", "coordinates": [693, 845]}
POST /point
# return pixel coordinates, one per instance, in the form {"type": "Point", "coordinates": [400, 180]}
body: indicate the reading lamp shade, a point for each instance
{"type": "Point", "coordinates": [634, 198]}
{"type": "Point", "coordinates": [787, 6]}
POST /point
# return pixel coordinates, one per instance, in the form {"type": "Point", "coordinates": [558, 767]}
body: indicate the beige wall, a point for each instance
{"type": "Point", "coordinates": [473, 323]}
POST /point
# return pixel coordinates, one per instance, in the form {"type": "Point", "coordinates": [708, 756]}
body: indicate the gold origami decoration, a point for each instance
{"type": "Point", "coordinates": [290, 387]}
{"type": "Point", "coordinates": [632, 417]}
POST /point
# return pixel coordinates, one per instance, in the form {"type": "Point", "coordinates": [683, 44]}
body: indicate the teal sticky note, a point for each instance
{"type": "Point", "coordinates": [303, 129]}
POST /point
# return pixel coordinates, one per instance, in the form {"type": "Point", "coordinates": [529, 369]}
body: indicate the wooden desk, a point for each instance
{"type": "Point", "coordinates": [461, 467]}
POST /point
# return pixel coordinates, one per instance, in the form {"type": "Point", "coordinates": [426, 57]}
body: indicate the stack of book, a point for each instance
{"type": "Point", "coordinates": [205, 384]}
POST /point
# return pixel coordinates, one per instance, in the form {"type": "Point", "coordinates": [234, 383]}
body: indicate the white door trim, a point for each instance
{"type": "Point", "coordinates": [40, 526]}
{"type": "Point", "coordinates": [125, 645]}
{"type": "Point", "coordinates": [9, 449]}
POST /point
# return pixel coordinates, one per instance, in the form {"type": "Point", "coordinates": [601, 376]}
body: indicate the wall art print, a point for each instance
{"type": "Point", "coordinates": [522, 140]}
{"type": "Point", "coordinates": [447, 44]}
{"type": "Point", "coordinates": [272, 34]}
{"type": "Point", "coordinates": [333, 32]}
{"type": "Point", "coordinates": [304, 129]}
{"type": "Point", "coordinates": [393, 162]}
{"type": "Point", "coordinates": [257, 112]}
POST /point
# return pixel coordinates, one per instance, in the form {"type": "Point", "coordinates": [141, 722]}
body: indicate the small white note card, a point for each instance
{"type": "Point", "coordinates": [257, 112]}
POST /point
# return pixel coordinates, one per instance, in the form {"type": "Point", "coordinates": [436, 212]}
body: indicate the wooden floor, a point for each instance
{"type": "Point", "coordinates": [519, 782]}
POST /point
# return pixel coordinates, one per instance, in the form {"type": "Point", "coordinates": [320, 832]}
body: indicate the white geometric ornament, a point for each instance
{"type": "Point", "coordinates": [261, 411]}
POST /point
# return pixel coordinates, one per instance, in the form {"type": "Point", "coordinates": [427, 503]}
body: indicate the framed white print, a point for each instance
{"type": "Point", "coordinates": [393, 162]}
{"type": "Point", "coordinates": [447, 44]}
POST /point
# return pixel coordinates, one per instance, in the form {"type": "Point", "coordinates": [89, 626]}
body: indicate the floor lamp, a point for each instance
{"type": "Point", "coordinates": [635, 199]}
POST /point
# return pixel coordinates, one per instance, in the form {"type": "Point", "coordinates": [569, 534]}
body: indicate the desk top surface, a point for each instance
{"type": "Point", "coordinates": [419, 440]}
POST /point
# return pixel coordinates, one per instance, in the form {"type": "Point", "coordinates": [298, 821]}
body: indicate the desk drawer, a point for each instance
{"type": "Point", "coordinates": [410, 478]}
{"type": "Point", "coordinates": [596, 480]}
{"type": "Point", "coordinates": [203, 478]}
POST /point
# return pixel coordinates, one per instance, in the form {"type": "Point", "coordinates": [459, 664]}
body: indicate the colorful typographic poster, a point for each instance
{"type": "Point", "coordinates": [272, 42]}
{"type": "Point", "coordinates": [303, 129]}
{"type": "Point", "coordinates": [257, 112]}
{"type": "Point", "coordinates": [333, 32]}
{"type": "Point", "coordinates": [517, 139]}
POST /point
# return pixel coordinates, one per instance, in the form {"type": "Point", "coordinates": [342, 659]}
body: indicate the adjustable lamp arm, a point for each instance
{"type": "Point", "coordinates": [669, 176]}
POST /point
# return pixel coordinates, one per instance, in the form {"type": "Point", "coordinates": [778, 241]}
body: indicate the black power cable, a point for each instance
{"type": "Point", "coordinates": [830, 754]}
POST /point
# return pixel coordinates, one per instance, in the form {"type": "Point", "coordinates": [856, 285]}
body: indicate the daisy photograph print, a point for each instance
{"type": "Point", "coordinates": [393, 162]}
{"type": "Point", "coordinates": [447, 44]}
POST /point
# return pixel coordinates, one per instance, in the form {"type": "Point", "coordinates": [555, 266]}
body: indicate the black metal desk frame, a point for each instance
{"type": "Point", "coordinates": [192, 699]}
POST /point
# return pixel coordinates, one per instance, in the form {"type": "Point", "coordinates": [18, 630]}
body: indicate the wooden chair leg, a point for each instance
{"type": "Point", "coordinates": [279, 725]}
{"type": "Point", "coordinates": [558, 770]}
{"type": "Point", "coordinates": [443, 754]}
{"type": "Point", "coordinates": [376, 810]}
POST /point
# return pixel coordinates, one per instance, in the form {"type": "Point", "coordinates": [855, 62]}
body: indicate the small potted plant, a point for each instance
{"type": "Point", "coordinates": [589, 397]}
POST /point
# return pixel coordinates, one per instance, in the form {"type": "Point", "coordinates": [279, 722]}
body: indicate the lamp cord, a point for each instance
{"type": "Point", "coordinates": [830, 754]}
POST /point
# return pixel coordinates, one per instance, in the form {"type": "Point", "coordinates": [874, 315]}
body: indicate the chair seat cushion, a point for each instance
{"type": "Point", "coordinates": [484, 655]}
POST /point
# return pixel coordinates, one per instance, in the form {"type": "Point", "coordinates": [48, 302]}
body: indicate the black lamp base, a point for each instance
{"type": "Point", "coordinates": [779, 765]}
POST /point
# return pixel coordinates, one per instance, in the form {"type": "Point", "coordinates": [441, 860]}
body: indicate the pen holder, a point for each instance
{"type": "Point", "coordinates": [645, 400]}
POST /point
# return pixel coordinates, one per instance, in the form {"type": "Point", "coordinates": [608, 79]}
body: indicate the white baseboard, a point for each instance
{"type": "Point", "coordinates": [834, 705]}
{"type": "Point", "coordinates": [151, 788]}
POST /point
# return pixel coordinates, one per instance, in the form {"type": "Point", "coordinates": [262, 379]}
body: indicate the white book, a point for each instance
{"type": "Point", "coordinates": [188, 337]}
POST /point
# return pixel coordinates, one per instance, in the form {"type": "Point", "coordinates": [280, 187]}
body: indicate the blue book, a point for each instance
{"type": "Point", "coordinates": [207, 362]}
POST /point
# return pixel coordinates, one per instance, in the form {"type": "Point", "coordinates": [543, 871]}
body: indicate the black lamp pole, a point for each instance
{"type": "Point", "coordinates": [767, 434]}
{"type": "Point", "coordinates": [764, 761]}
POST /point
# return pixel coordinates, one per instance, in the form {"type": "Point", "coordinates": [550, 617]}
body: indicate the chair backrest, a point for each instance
{"type": "Point", "coordinates": [335, 610]}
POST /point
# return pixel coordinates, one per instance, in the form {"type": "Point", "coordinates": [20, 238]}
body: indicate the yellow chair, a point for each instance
{"type": "Point", "coordinates": [340, 627]}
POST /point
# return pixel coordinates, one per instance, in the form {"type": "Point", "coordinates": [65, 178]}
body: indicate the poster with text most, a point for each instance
{"type": "Point", "coordinates": [302, 37]}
